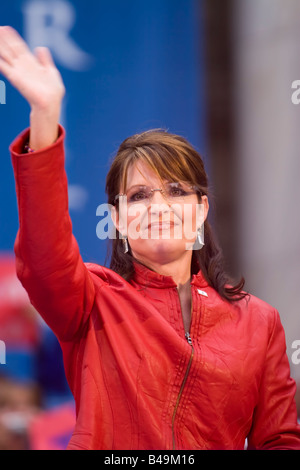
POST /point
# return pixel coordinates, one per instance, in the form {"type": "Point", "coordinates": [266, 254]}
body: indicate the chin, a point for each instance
{"type": "Point", "coordinates": [159, 249]}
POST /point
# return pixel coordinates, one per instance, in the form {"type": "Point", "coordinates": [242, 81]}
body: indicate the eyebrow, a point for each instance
{"type": "Point", "coordinates": [144, 184]}
{"type": "Point", "coordinates": [138, 185]}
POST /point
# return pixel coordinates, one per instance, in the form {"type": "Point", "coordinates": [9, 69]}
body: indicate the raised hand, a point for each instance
{"type": "Point", "coordinates": [33, 75]}
{"type": "Point", "coordinates": [38, 80]}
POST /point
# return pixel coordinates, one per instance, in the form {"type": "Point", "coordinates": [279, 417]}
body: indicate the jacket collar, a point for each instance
{"type": "Point", "coordinates": [144, 276]}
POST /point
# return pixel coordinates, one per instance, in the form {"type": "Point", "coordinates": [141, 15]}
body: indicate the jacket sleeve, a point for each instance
{"type": "Point", "coordinates": [48, 260]}
{"type": "Point", "coordinates": [275, 417]}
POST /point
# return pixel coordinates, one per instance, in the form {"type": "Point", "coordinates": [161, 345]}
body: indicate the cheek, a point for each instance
{"type": "Point", "coordinates": [192, 215]}
{"type": "Point", "coordinates": [136, 218]}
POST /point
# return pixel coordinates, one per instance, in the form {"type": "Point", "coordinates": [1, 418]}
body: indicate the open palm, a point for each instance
{"type": "Point", "coordinates": [35, 76]}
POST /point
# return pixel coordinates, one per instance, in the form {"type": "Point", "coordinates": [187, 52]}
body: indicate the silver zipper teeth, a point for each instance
{"type": "Point", "coordinates": [189, 340]}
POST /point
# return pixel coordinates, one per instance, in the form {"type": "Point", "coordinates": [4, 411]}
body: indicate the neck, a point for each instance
{"type": "Point", "coordinates": [179, 269]}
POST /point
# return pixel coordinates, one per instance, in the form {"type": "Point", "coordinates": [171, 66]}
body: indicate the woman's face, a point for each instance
{"type": "Point", "coordinates": [160, 227]}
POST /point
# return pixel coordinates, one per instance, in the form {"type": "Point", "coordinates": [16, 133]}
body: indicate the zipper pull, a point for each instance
{"type": "Point", "coordinates": [188, 338]}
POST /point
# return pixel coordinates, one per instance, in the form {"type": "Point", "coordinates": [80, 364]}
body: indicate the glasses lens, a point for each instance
{"type": "Point", "coordinates": [178, 191]}
{"type": "Point", "coordinates": [139, 194]}
{"type": "Point", "coordinates": [173, 191]}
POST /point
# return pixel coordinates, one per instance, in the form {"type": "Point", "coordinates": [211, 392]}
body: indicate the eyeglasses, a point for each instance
{"type": "Point", "coordinates": [173, 192]}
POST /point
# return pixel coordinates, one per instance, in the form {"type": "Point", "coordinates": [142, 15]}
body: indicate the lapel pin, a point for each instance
{"type": "Point", "coordinates": [201, 292]}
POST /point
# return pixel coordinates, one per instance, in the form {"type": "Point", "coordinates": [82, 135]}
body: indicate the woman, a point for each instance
{"type": "Point", "coordinates": [159, 351]}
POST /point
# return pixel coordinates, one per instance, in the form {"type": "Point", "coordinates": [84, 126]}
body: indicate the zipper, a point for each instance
{"type": "Point", "coordinates": [188, 338]}
{"type": "Point", "coordinates": [190, 342]}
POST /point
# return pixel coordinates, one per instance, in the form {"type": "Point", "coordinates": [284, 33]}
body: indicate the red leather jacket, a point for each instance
{"type": "Point", "coordinates": [138, 382]}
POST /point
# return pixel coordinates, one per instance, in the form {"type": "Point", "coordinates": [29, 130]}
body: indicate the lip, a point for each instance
{"type": "Point", "coordinates": [161, 225]}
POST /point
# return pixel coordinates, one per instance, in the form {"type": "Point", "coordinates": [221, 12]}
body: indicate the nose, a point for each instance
{"type": "Point", "coordinates": [158, 204]}
{"type": "Point", "coordinates": [158, 194]}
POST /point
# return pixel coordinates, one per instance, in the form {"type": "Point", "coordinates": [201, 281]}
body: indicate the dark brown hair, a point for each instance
{"type": "Point", "coordinates": [172, 158]}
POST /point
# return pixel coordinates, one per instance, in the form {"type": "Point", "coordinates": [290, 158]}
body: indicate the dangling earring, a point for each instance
{"type": "Point", "coordinates": [200, 237]}
{"type": "Point", "coordinates": [125, 244]}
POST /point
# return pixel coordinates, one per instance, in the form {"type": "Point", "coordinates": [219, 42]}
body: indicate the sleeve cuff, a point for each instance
{"type": "Point", "coordinates": [17, 147]}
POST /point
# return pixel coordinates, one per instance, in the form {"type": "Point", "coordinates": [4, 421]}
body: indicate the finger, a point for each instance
{"type": "Point", "coordinates": [4, 68]}
{"type": "Point", "coordinates": [44, 56]}
{"type": "Point", "coordinates": [5, 54]}
{"type": "Point", "coordinates": [5, 50]}
{"type": "Point", "coordinates": [13, 41]}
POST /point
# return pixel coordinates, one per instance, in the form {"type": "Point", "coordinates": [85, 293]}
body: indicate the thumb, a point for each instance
{"type": "Point", "coordinates": [44, 56]}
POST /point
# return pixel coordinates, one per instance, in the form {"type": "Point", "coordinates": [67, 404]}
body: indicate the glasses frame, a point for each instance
{"type": "Point", "coordinates": [195, 188]}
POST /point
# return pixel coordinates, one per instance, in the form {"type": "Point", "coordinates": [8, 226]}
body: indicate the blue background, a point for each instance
{"type": "Point", "coordinates": [145, 71]}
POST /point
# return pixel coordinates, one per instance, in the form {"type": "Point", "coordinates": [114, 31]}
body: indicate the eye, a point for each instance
{"type": "Point", "coordinates": [139, 194]}
{"type": "Point", "coordinates": [175, 190]}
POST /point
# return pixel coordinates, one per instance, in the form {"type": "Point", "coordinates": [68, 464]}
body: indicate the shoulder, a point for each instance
{"type": "Point", "coordinates": [257, 306]}
{"type": "Point", "coordinates": [251, 311]}
{"type": "Point", "coordinates": [258, 323]}
{"type": "Point", "coordinates": [103, 275]}
{"type": "Point", "coordinates": [259, 313]}
{"type": "Point", "coordinates": [248, 307]}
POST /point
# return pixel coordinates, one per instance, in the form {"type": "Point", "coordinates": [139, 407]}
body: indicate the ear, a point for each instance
{"type": "Point", "coordinates": [204, 201]}
{"type": "Point", "coordinates": [117, 221]}
{"type": "Point", "coordinates": [202, 211]}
